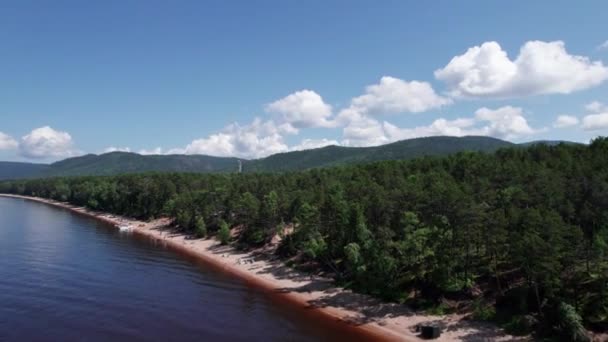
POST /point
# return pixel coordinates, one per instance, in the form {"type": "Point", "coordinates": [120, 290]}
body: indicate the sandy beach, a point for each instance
{"type": "Point", "coordinates": [315, 295]}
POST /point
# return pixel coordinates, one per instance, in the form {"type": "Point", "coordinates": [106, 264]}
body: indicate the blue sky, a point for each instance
{"type": "Point", "coordinates": [192, 76]}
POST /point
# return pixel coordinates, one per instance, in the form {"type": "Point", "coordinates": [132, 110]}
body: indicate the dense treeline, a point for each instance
{"type": "Point", "coordinates": [521, 233]}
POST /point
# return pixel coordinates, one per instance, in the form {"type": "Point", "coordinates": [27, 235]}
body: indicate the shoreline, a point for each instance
{"type": "Point", "coordinates": [315, 296]}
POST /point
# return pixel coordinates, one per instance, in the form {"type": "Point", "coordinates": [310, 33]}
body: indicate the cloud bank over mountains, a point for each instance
{"type": "Point", "coordinates": [482, 73]}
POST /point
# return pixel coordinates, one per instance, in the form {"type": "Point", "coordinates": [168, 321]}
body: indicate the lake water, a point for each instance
{"type": "Point", "coordinates": [66, 277]}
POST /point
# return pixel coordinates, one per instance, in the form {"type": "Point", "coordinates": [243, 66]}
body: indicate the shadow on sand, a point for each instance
{"type": "Point", "coordinates": [371, 310]}
{"type": "Point", "coordinates": [368, 309]}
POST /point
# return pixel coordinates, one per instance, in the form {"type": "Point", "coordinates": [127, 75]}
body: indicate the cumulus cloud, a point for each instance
{"type": "Point", "coordinates": [486, 71]}
{"type": "Point", "coordinates": [458, 127]}
{"type": "Point", "coordinates": [596, 107]}
{"type": "Point", "coordinates": [116, 149]}
{"type": "Point", "coordinates": [603, 46]}
{"type": "Point", "coordinates": [360, 129]}
{"type": "Point", "coordinates": [595, 121]}
{"type": "Point", "coordinates": [260, 139]}
{"type": "Point", "coordinates": [153, 151]}
{"type": "Point", "coordinates": [254, 140]}
{"type": "Point", "coordinates": [302, 109]}
{"type": "Point", "coordinates": [393, 95]}
{"type": "Point", "coordinates": [45, 142]}
{"type": "Point", "coordinates": [7, 142]}
{"type": "Point", "coordinates": [366, 131]}
{"type": "Point", "coordinates": [390, 95]}
{"type": "Point", "coordinates": [565, 121]}
{"type": "Point", "coordinates": [598, 119]}
{"type": "Point", "coordinates": [505, 122]}
{"type": "Point", "coordinates": [308, 144]}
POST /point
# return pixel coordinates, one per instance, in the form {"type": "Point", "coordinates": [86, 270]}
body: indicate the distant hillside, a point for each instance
{"type": "Point", "coordinates": [123, 162]}
{"type": "Point", "coordinates": [550, 142]}
{"type": "Point", "coordinates": [405, 149]}
{"type": "Point", "coordinates": [14, 170]}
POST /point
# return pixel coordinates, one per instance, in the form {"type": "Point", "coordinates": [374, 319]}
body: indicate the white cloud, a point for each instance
{"type": "Point", "coordinates": [219, 144]}
{"type": "Point", "coordinates": [157, 150]}
{"type": "Point", "coordinates": [540, 68]}
{"type": "Point", "coordinates": [287, 128]}
{"type": "Point", "coordinates": [599, 117]}
{"type": "Point", "coordinates": [116, 149]}
{"type": "Point", "coordinates": [45, 142]}
{"type": "Point", "coordinates": [458, 127]}
{"type": "Point", "coordinates": [595, 121]}
{"type": "Point", "coordinates": [596, 107]}
{"type": "Point", "coordinates": [505, 122]}
{"type": "Point", "coordinates": [603, 46]}
{"type": "Point", "coordinates": [565, 121]}
{"type": "Point", "coordinates": [360, 130]}
{"type": "Point", "coordinates": [393, 95]}
{"type": "Point", "coordinates": [257, 139]}
{"type": "Point", "coordinates": [390, 95]}
{"type": "Point", "coordinates": [308, 144]}
{"type": "Point", "coordinates": [153, 151]}
{"type": "Point", "coordinates": [7, 142]}
{"type": "Point", "coordinates": [302, 109]}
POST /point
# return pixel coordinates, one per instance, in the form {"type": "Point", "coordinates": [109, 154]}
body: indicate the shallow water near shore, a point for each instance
{"type": "Point", "coordinates": [65, 277]}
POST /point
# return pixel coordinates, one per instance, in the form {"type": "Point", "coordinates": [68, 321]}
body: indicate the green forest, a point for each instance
{"type": "Point", "coordinates": [519, 235]}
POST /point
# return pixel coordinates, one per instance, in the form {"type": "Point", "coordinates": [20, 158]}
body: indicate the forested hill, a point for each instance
{"type": "Point", "coordinates": [405, 149]}
{"type": "Point", "coordinates": [118, 163]}
{"type": "Point", "coordinates": [123, 162]}
{"type": "Point", "coordinates": [519, 236]}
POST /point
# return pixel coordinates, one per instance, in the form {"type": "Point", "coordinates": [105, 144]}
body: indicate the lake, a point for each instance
{"type": "Point", "coordinates": [67, 277]}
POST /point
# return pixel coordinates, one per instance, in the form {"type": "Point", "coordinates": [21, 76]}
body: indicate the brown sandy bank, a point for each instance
{"type": "Point", "coordinates": [315, 296]}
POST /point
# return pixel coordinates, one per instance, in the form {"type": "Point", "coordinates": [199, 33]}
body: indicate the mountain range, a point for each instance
{"type": "Point", "coordinates": [126, 162]}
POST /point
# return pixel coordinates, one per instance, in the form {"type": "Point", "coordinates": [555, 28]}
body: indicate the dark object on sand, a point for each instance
{"type": "Point", "coordinates": [429, 331]}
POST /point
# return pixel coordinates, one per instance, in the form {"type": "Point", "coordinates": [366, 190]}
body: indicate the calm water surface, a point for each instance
{"type": "Point", "coordinates": [65, 277]}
